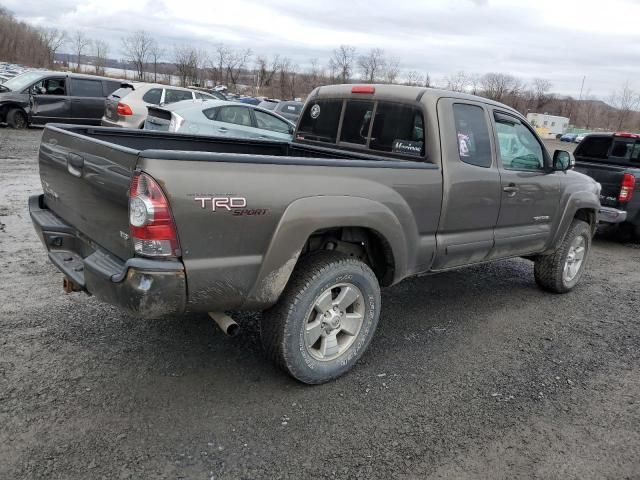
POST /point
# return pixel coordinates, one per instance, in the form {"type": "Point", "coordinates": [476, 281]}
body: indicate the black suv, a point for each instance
{"type": "Point", "coordinates": [613, 160]}
{"type": "Point", "coordinates": [39, 97]}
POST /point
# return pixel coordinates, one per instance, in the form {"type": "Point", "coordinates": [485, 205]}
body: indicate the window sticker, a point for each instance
{"type": "Point", "coordinates": [407, 147]}
{"type": "Point", "coordinates": [315, 111]}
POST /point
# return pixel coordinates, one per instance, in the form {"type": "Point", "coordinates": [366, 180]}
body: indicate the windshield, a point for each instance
{"type": "Point", "coordinates": [22, 81]}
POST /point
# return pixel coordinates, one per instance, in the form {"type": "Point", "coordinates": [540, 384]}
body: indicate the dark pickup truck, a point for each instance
{"type": "Point", "coordinates": [380, 183]}
{"type": "Point", "coordinates": [613, 160]}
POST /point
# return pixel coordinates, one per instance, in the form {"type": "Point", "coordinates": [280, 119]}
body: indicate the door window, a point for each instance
{"type": "Point", "coordinates": [49, 86]}
{"type": "Point", "coordinates": [357, 118]}
{"type": "Point", "coordinates": [474, 146]}
{"type": "Point", "coordinates": [86, 88]}
{"type": "Point", "coordinates": [271, 123]}
{"type": "Point", "coordinates": [172, 96]}
{"type": "Point", "coordinates": [519, 148]}
{"type": "Point", "coordinates": [235, 115]}
{"type": "Point", "coordinates": [153, 96]}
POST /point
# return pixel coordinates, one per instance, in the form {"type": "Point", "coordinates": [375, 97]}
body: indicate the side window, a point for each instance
{"type": "Point", "coordinates": [398, 129]}
{"type": "Point", "coordinates": [474, 146]}
{"type": "Point", "coordinates": [86, 88]}
{"type": "Point", "coordinates": [153, 96]}
{"type": "Point", "coordinates": [271, 123]}
{"type": "Point", "coordinates": [319, 122]}
{"type": "Point", "coordinates": [355, 125]}
{"type": "Point", "coordinates": [49, 86]}
{"type": "Point", "coordinates": [236, 115]}
{"type": "Point", "coordinates": [594, 147]}
{"type": "Point", "coordinates": [519, 148]}
{"type": "Point", "coordinates": [172, 96]}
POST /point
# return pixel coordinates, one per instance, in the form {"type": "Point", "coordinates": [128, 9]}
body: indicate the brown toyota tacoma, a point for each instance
{"type": "Point", "coordinates": [380, 183]}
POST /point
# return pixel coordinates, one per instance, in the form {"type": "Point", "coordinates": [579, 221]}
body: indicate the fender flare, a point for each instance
{"type": "Point", "coordinates": [581, 199]}
{"type": "Point", "coordinates": [307, 215]}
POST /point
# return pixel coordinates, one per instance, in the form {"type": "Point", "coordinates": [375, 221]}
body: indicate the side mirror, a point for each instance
{"type": "Point", "coordinates": [563, 161]}
{"type": "Point", "coordinates": [291, 130]}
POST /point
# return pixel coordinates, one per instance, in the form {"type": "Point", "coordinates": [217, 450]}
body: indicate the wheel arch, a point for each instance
{"type": "Point", "coordinates": [7, 106]}
{"type": "Point", "coordinates": [355, 225]}
{"type": "Point", "coordinates": [582, 205]}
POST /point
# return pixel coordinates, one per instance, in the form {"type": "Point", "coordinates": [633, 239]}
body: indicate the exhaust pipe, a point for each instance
{"type": "Point", "coordinates": [226, 323]}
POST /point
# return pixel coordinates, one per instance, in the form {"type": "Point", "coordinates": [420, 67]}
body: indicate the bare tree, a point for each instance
{"type": "Point", "coordinates": [53, 39]}
{"type": "Point", "coordinates": [427, 81]}
{"type": "Point", "coordinates": [625, 101]}
{"type": "Point", "coordinates": [136, 48]}
{"type": "Point", "coordinates": [341, 62]}
{"type": "Point", "coordinates": [392, 70]}
{"type": "Point", "coordinates": [498, 86]}
{"type": "Point", "coordinates": [265, 72]}
{"type": "Point", "coordinates": [316, 75]}
{"type": "Point", "coordinates": [414, 79]}
{"type": "Point", "coordinates": [156, 53]}
{"type": "Point", "coordinates": [458, 82]}
{"type": "Point", "coordinates": [100, 50]}
{"type": "Point", "coordinates": [541, 89]}
{"type": "Point", "coordinates": [372, 65]}
{"type": "Point", "coordinates": [186, 61]}
{"type": "Point", "coordinates": [236, 61]}
{"type": "Point", "coordinates": [80, 44]}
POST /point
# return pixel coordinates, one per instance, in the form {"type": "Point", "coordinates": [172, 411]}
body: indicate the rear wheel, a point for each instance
{"type": "Point", "coordinates": [325, 318]}
{"type": "Point", "coordinates": [561, 271]}
{"type": "Point", "coordinates": [17, 118]}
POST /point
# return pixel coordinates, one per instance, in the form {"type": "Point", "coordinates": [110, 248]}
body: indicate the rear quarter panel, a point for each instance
{"type": "Point", "coordinates": [243, 258]}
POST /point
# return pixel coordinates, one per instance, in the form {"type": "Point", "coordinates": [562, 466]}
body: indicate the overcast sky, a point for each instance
{"type": "Point", "coordinates": [560, 40]}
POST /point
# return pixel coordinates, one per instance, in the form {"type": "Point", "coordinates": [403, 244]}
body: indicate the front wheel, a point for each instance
{"type": "Point", "coordinates": [325, 318]}
{"type": "Point", "coordinates": [16, 118]}
{"type": "Point", "coordinates": [561, 271]}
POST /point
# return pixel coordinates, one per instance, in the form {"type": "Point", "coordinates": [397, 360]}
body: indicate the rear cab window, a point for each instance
{"type": "Point", "coordinates": [379, 126]}
{"type": "Point", "coordinates": [614, 149]}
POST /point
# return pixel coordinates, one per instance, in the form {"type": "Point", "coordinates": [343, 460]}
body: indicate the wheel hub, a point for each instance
{"type": "Point", "coordinates": [332, 321]}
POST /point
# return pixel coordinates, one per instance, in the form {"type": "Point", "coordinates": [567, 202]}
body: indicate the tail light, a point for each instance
{"type": "Point", "coordinates": [124, 109]}
{"type": "Point", "coordinates": [363, 89]}
{"type": "Point", "coordinates": [153, 230]}
{"type": "Point", "coordinates": [176, 122]}
{"type": "Point", "coordinates": [627, 187]}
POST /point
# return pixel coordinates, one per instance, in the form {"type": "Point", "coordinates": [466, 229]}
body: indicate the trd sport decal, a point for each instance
{"type": "Point", "coordinates": [235, 205]}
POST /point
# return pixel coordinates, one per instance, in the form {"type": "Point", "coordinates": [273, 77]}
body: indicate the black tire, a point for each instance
{"type": "Point", "coordinates": [549, 269]}
{"type": "Point", "coordinates": [283, 326]}
{"type": "Point", "coordinates": [17, 118]}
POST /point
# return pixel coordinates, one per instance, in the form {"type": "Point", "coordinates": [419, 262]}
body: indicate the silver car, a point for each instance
{"type": "Point", "coordinates": [127, 106]}
{"type": "Point", "coordinates": [220, 119]}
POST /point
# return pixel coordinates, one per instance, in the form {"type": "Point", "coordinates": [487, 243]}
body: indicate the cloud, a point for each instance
{"type": "Point", "coordinates": [559, 41]}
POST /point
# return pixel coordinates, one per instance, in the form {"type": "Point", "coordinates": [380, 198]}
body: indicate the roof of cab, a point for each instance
{"type": "Point", "coordinates": [400, 93]}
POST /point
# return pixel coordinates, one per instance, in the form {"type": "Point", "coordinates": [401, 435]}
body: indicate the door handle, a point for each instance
{"type": "Point", "coordinates": [75, 164]}
{"type": "Point", "coordinates": [511, 189]}
{"type": "Point", "coordinates": [223, 129]}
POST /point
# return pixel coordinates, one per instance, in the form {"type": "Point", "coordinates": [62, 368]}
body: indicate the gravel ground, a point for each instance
{"type": "Point", "coordinates": [472, 374]}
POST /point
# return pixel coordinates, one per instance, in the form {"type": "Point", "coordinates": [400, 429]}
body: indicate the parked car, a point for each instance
{"type": "Point", "coordinates": [38, 97]}
{"type": "Point", "coordinates": [289, 110]}
{"type": "Point", "coordinates": [127, 106]}
{"type": "Point", "coordinates": [381, 182]}
{"type": "Point", "coordinates": [249, 100]}
{"type": "Point", "coordinates": [613, 160]}
{"type": "Point", "coordinates": [268, 103]}
{"type": "Point", "coordinates": [217, 94]}
{"type": "Point", "coordinates": [219, 118]}
{"type": "Point", "coordinates": [568, 137]}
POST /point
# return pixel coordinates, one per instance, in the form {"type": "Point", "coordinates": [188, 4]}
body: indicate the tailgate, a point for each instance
{"type": "Point", "coordinates": [86, 183]}
{"type": "Point", "coordinates": [158, 119]}
{"type": "Point", "coordinates": [609, 176]}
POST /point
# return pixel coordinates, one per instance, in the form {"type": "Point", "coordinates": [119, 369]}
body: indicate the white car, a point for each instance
{"type": "Point", "coordinates": [580, 137]}
{"type": "Point", "coordinates": [218, 118]}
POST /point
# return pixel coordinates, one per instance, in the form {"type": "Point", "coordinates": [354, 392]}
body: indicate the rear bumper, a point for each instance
{"type": "Point", "coordinates": [109, 123]}
{"type": "Point", "coordinates": [145, 288]}
{"type": "Point", "coordinates": [611, 215]}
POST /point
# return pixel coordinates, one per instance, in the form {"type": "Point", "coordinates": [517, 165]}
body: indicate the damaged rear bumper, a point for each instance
{"type": "Point", "coordinates": [142, 287]}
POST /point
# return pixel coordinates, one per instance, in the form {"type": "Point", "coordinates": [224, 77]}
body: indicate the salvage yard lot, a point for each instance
{"type": "Point", "coordinates": [472, 374]}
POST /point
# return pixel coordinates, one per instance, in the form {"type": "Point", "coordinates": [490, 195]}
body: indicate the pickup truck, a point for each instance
{"type": "Point", "coordinates": [613, 160]}
{"type": "Point", "coordinates": [379, 183]}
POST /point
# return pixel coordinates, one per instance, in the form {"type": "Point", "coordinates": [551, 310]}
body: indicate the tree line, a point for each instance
{"type": "Point", "coordinates": [246, 71]}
